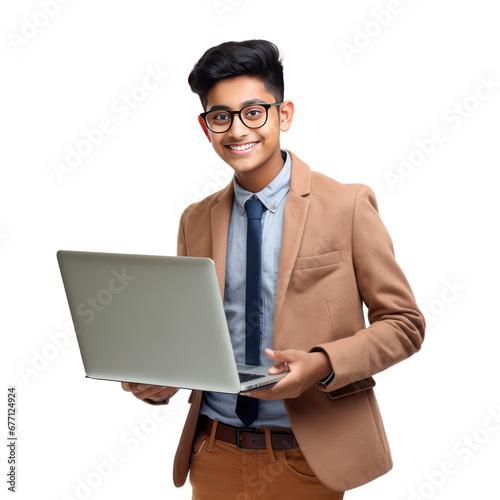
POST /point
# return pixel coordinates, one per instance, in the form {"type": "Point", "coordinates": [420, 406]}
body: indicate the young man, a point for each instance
{"type": "Point", "coordinates": [296, 254]}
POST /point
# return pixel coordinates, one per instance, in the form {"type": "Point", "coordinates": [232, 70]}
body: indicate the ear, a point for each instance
{"type": "Point", "coordinates": [201, 121]}
{"type": "Point", "coordinates": [286, 115]}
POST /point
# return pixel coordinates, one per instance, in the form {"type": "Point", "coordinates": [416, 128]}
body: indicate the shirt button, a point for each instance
{"type": "Point", "coordinates": [273, 207]}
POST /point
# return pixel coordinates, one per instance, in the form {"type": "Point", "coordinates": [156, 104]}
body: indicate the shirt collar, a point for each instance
{"type": "Point", "coordinates": [272, 195]}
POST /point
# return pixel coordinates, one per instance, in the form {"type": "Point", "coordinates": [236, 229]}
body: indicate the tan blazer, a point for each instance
{"type": "Point", "coordinates": [335, 254]}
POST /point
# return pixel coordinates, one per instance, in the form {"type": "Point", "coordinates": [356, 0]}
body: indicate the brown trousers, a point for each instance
{"type": "Point", "coordinates": [221, 471]}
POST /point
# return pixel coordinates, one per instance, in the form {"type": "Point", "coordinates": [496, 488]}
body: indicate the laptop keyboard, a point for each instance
{"type": "Point", "coordinates": [245, 377]}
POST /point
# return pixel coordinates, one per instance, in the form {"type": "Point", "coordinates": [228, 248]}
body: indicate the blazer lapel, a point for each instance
{"type": "Point", "coordinates": [295, 215]}
{"type": "Point", "coordinates": [220, 215]}
{"type": "Point", "coordinates": [294, 220]}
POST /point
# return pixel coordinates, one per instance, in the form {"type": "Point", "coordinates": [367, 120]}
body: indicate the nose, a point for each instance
{"type": "Point", "coordinates": [238, 129]}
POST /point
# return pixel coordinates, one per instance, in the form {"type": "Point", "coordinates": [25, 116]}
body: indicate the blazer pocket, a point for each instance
{"type": "Point", "coordinates": [312, 261]}
{"type": "Point", "coordinates": [355, 387]}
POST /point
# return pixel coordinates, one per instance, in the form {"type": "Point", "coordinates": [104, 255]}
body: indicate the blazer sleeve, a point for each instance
{"type": "Point", "coordinates": [397, 326]}
{"type": "Point", "coordinates": [181, 238]}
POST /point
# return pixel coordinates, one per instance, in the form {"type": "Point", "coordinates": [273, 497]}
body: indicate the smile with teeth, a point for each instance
{"type": "Point", "coordinates": [243, 147]}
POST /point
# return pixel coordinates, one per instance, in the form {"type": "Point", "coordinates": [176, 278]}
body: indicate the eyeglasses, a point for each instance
{"type": "Point", "coordinates": [254, 116]}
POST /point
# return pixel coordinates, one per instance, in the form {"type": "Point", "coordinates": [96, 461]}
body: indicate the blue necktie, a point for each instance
{"type": "Point", "coordinates": [247, 407]}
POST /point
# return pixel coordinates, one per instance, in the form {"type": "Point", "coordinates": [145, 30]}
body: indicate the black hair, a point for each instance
{"type": "Point", "coordinates": [258, 58]}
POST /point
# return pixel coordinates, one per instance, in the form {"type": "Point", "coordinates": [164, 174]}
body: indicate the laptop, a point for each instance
{"type": "Point", "coordinates": [154, 319]}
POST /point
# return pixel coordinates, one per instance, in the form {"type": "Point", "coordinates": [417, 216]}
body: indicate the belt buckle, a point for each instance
{"type": "Point", "coordinates": [244, 429]}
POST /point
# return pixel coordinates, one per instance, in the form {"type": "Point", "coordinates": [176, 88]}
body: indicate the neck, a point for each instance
{"type": "Point", "coordinates": [256, 180]}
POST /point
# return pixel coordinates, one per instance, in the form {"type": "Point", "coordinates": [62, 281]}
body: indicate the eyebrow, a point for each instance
{"type": "Point", "coordinates": [244, 103]}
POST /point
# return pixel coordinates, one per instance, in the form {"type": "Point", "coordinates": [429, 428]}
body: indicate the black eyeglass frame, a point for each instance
{"type": "Point", "coordinates": [265, 105]}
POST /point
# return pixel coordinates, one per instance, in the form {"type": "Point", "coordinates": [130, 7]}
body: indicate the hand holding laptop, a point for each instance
{"type": "Point", "coordinates": [145, 391]}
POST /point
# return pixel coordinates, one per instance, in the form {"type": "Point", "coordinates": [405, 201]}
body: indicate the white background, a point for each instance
{"type": "Point", "coordinates": [356, 116]}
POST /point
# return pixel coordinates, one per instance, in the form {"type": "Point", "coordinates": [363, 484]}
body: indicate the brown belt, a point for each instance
{"type": "Point", "coordinates": [247, 438]}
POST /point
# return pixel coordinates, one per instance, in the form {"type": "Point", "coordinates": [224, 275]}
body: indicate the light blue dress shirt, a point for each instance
{"type": "Point", "coordinates": [222, 406]}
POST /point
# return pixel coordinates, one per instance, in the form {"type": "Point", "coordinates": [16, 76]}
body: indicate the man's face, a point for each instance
{"type": "Point", "coordinates": [232, 94]}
